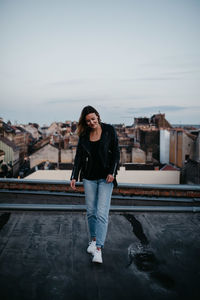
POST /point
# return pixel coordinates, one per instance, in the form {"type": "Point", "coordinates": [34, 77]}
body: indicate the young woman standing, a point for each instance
{"type": "Point", "coordinates": [96, 160]}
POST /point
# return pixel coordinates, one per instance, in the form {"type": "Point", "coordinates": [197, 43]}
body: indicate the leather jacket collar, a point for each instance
{"type": "Point", "coordinates": [86, 137]}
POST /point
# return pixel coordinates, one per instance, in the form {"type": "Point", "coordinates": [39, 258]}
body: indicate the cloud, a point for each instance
{"type": "Point", "coordinates": [85, 100]}
{"type": "Point", "coordinates": [161, 78]}
{"type": "Point", "coordinates": [175, 75]}
{"type": "Point", "coordinates": [149, 78]}
{"type": "Point", "coordinates": [62, 101]}
{"type": "Point", "coordinates": [68, 82]}
{"type": "Point", "coordinates": [158, 109]}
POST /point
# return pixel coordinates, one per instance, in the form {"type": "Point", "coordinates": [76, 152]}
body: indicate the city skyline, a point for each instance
{"type": "Point", "coordinates": [42, 124]}
{"type": "Point", "coordinates": [126, 58]}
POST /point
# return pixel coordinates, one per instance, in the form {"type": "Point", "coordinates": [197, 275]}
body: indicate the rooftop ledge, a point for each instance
{"type": "Point", "coordinates": [159, 190]}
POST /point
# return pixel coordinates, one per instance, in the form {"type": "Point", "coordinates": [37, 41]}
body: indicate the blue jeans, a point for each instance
{"type": "Point", "coordinates": [98, 196]}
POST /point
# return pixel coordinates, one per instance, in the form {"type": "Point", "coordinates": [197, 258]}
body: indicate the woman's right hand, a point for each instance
{"type": "Point", "coordinates": [73, 184]}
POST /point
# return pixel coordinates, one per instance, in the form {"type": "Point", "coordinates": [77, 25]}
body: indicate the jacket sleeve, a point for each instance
{"type": "Point", "coordinates": [77, 162]}
{"type": "Point", "coordinates": [115, 153]}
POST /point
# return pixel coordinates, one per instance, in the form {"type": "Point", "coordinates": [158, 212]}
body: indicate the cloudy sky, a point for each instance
{"type": "Point", "coordinates": [127, 58]}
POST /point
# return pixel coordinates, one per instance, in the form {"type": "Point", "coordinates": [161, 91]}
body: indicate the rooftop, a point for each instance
{"type": "Point", "coordinates": [149, 253]}
{"type": "Point", "coordinates": [9, 143]}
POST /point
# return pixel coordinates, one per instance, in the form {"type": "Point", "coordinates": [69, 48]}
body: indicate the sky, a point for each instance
{"type": "Point", "coordinates": [127, 58]}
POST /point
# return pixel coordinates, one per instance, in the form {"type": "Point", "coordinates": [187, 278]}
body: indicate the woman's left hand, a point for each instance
{"type": "Point", "coordinates": [109, 178]}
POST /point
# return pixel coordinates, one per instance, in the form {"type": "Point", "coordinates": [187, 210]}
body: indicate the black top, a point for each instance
{"type": "Point", "coordinates": [97, 170]}
{"type": "Point", "coordinates": [106, 156]}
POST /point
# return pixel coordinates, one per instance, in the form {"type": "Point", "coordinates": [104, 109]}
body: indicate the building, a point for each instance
{"type": "Point", "coordinates": [164, 146]}
{"type": "Point", "coordinates": [11, 155]}
{"type": "Point", "coordinates": [33, 129]}
{"type": "Point", "coordinates": [182, 147]}
{"type": "Point", "coordinates": [18, 135]}
{"type": "Point", "coordinates": [48, 152]}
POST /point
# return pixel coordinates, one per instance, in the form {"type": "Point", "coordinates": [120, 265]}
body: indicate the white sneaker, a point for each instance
{"type": "Point", "coordinates": [97, 257]}
{"type": "Point", "coordinates": [92, 247]}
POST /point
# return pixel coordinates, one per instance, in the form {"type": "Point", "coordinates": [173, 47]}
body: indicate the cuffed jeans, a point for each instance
{"type": "Point", "coordinates": [98, 196]}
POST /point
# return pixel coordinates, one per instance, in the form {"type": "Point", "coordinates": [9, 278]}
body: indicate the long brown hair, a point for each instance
{"type": "Point", "coordinates": [82, 126]}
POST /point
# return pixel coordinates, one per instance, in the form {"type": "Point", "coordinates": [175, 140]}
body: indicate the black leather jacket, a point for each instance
{"type": "Point", "coordinates": [108, 151]}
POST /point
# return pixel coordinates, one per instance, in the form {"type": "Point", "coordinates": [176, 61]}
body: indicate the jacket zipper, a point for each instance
{"type": "Point", "coordinates": [86, 149]}
{"type": "Point", "coordinates": [114, 169]}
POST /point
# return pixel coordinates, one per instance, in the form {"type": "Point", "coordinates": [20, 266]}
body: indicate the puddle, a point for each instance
{"type": "Point", "coordinates": [143, 258]}
{"type": "Point", "coordinates": [163, 279]}
{"type": "Point", "coordinates": [145, 261]}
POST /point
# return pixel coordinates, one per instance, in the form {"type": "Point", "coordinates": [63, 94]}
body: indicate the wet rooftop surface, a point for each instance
{"type": "Point", "coordinates": [146, 256]}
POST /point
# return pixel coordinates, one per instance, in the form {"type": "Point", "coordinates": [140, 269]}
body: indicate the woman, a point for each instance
{"type": "Point", "coordinates": [96, 160]}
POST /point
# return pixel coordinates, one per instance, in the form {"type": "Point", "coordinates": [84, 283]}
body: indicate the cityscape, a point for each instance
{"type": "Point", "coordinates": [138, 64]}
{"type": "Point", "coordinates": [149, 144]}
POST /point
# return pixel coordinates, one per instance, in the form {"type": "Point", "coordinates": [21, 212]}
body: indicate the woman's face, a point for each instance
{"type": "Point", "coordinates": [92, 120]}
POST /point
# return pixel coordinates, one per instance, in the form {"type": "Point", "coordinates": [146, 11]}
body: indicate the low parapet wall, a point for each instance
{"type": "Point", "coordinates": [122, 189]}
{"type": "Point", "coordinates": [149, 177]}
{"type": "Point", "coordinates": [123, 176]}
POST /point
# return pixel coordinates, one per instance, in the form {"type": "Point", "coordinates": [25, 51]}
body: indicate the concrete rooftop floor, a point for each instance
{"type": "Point", "coordinates": [146, 256]}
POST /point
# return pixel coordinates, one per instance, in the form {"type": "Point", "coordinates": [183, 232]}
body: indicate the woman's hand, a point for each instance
{"type": "Point", "coordinates": [73, 184]}
{"type": "Point", "coordinates": [109, 178]}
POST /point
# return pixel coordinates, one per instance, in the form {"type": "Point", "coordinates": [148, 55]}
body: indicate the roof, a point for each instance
{"type": "Point", "coordinates": [146, 256]}
{"type": "Point", "coordinates": [41, 143]}
{"type": "Point", "coordinates": [41, 147]}
{"type": "Point", "coordinates": [21, 129]}
{"type": "Point", "coordinates": [192, 136]}
{"type": "Point", "coordinates": [9, 143]}
{"type": "Point", "coordinates": [7, 128]}
{"type": "Point", "coordinates": [169, 168]}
